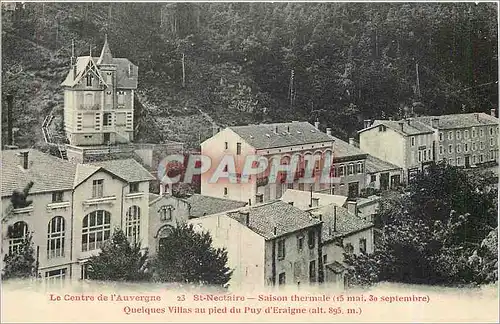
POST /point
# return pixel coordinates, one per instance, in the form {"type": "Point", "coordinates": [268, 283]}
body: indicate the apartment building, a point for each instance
{"type": "Point", "coordinates": [74, 208]}
{"type": "Point", "coordinates": [382, 175]}
{"type": "Point", "coordinates": [268, 244]}
{"type": "Point", "coordinates": [276, 142]}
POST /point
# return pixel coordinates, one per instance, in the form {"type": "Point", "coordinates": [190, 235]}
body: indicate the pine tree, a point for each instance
{"type": "Point", "coordinates": [119, 260]}
{"type": "Point", "coordinates": [187, 256]}
{"type": "Point", "coordinates": [20, 263]}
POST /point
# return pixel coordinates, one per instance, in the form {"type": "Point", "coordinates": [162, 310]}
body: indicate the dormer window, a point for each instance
{"type": "Point", "coordinates": [89, 79]}
{"type": "Point", "coordinates": [166, 213]}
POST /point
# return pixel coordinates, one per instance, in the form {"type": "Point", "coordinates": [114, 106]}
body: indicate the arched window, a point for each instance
{"type": "Point", "coordinates": [163, 233]}
{"type": "Point", "coordinates": [133, 224]}
{"type": "Point", "coordinates": [55, 237]}
{"type": "Point", "coordinates": [96, 230]}
{"type": "Point", "coordinates": [17, 234]}
{"type": "Point", "coordinates": [166, 213]}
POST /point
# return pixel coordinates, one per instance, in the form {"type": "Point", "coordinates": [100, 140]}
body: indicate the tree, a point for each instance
{"type": "Point", "coordinates": [119, 260]}
{"type": "Point", "coordinates": [187, 256]}
{"type": "Point", "coordinates": [20, 262]}
{"type": "Point", "coordinates": [438, 231]}
{"type": "Point", "coordinates": [19, 199]}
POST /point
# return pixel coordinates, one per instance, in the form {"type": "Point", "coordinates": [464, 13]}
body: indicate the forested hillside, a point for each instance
{"type": "Point", "coordinates": [254, 62]}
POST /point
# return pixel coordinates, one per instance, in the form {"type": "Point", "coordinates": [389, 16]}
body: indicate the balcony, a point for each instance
{"type": "Point", "coordinates": [99, 201]}
{"type": "Point", "coordinates": [24, 210]}
{"type": "Point", "coordinates": [58, 205]}
{"type": "Point", "coordinates": [89, 107]}
{"type": "Point", "coordinates": [134, 195]}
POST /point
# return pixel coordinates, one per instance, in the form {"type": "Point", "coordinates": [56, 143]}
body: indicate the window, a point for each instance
{"type": "Point", "coordinates": [466, 147]}
{"type": "Point", "coordinates": [259, 198]}
{"type": "Point", "coordinates": [97, 188]}
{"type": "Point", "coordinates": [163, 235]}
{"type": "Point", "coordinates": [429, 154]}
{"type": "Point", "coordinates": [55, 237]}
{"type": "Point", "coordinates": [419, 156]}
{"type": "Point", "coordinates": [300, 242]}
{"type": "Point", "coordinates": [425, 155]}
{"type": "Point", "coordinates": [166, 213]}
{"type": "Point", "coordinates": [440, 149]}
{"type": "Point", "coordinates": [282, 278]}
{"type": "Point", "coordinates": [441, 136]}
{"type": "Point", "coordinates": [481, 158]}
{"type": "Point", "coordinates": [473, 133]}
{"type": "Point", "coordinates": [225, 191]}
{"type": "Point", "coordinates": [359, 167]}
{"type": "Point", "coordinates": [450, 135]}
{"type": "Point", "coordinates": [121, 97]}
{"type": "Point", "coordinates": [133, 231]}
{"type": "Point", "coordinates": [311, 239]}
{"type": "Point", "coordinates": [89, 78]}
{"type": "Point", "coordinates": [491, 131]}
{"type": "Point", "coordinates": [459, 135]}
{"type": "Point", "coordinates": [466, 134]}
{"type": "Point", "coordinates": [134, 187]}
{"type": "Point", "coordinates": [474, 159]}
{"type": "Point", "coordinates": [362, 245]}
{"type": "Point", "coordinates": [312, 271]}
{"type": "Point", "coordinates": [450, 161]}
{"type": "Point", "coordinates": [57, 196]}
{"type": "Point", "coordinates": [55, 276]}
{"type": "Point", "coordinates": [341, 170]}
{"type": "Point", "coordinates": [481, 145]}
{"type": "Point", "coordinates": [17, 234]}
{"type": "Point", "coordinates": [281, 249]}
{"type": "Point", "coordinates": [458, 148]}
{"type": "Point", "coordinates": [381, 128]}
{"type": "Point", "coordinates": [238, 148]}
{"type": "Point", "coordinates": [373, 178]}
{"type": "Point", "coordinates": [491, 142]}
{"type": "Point", "coordinates": [350, 169]}
{"type": "Point", "coordinates": [325, 259]}
{"type": "Point", "coordinates": [107, 119]}
{"type": "Point", "coordinates": [348, 248]}
{"type": "Point", "coordinates": [450, 149]}
{"type": "Point", "coordinates": [474, 146]}
{"type": "Point", "coordinates": [481, 132]}
{"type": "Point", "coordinates": [96, 230]}
{"type": "Point", "coordinates": [459, 161]}
{"type": "Point", "coordinates": [226, 145]}
{"type": "Point", "coordinates": [412, 141]}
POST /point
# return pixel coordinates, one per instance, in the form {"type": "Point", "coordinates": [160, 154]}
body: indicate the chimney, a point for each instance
{"type": "Point", "coordinates": [315, 202]}
{"type": "Point", "coordinates": [329, 131]}
{"type": "Point", "coordinates": [493, 112]}
{"type": "Point", "coordinates": [435, 122]}
{"type": "Point", "coordinates": [367, 123]}
{"type": "Point", "coordinates": [245, 217]}
{"type": "Point", "coordinates": [401, 125]}
{"type": "Point", "coordinates": [24, 160]}
{"type": "Point", "coordinates": [316, 124]}
{"type": "Point", "coordinates": [10, 104]}
{"type": "Point", "coordinates": [352, 141]}
{"type": "Point", "coordinates": [408, 121]}
{"type": "Point", "coordinates": [352, 207]}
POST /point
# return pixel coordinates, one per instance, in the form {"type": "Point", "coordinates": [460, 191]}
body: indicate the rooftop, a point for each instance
{"type": "Point", "coordinates": [343, 149]}
{"type": "Point", "coordinates": [459, 120]}
{"type": "Point", "coordinates": [264, 136]}
{"type": "Point", "coordinates": [375, 165]}
{"type": "Point", "coordinates": [341, 225]}
{"type": "Point", "coordinates": [301, 199]}
{"type": "Point", "coordinates": [205, 205]}
{"type": "Point", "coordinates": [128, 169]}
{"type": "Point", "coordinates": [404, 127]}
{"type": "Point", "coordinates": [277, 215]}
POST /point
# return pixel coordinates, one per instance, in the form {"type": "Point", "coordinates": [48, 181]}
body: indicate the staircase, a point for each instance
{"type": "Point", "coordinates": [45, 128]}
{"type": "Point", "coordinates": [62, 152]}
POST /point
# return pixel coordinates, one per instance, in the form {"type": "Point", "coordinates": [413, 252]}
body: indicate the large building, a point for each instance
{"type": "Point", "coordinates": [465, 140]}
{"type": "Point", "coordinates": [276, 142]}
{"type": "Point", "coordinates": [99, 99]}
{"type": "Point", "coordinates": [74, 208]}
{"type": "Point", "coordinates": [268, 244]}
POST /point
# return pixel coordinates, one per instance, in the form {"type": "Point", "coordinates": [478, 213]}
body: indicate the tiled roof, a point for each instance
{"type": "Point", "coordinates": [47, 172]}
{"type": "Point", "coordinates": [412, 127]}
{"type": "Point", "coordinates": [153, 197]}
{"type": "Point", "coordinates": [263, 136]}
{"type": "Point", "coordinates": [336, 267]}
{"type": "Point", "coordinates": [205, 205]}
{"type": "Point", "coordinates": [279, 215]}
{"type": "Point", "coordinates": [342, 149]}
{"type": "Point", "coordinates": [127, 169]}
{"type": "Point", "coordinates": [460, 120]}
{"type": "Point", "coordinates": [346, 223]}
{"type": "Point", "coordinates": [374, 165]}
{"type": "Point", "coordinates": [123, 79]}
{"type": "Point", "coordinates": [301, 199]}
{"type": "Point", "coordinates": [83, 171]}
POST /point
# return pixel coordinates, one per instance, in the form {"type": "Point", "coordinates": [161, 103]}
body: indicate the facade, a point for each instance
{"type": "Point", "coordinates": [275, 142]}
{"type": "Point", "coordinates": [382, 175]}
{"type": "Point", "coordinates": [285, 244]}
{"type": "Point", "coordinates": [99, 100]}
{"type": "Point", "coordinates": [74, 208]}
{"type": "Point", "coordinates": [343, 232]}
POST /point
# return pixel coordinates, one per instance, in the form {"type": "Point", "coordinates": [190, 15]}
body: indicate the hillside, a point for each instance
{"type": "Point", "coordinates": [254, 62]}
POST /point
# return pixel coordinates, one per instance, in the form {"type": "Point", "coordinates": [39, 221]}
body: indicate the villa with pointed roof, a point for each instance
{"type": "Point", "coordinates": [99, 99]}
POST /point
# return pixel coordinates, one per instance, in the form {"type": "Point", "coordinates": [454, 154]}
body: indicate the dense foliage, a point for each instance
{"type": "Point", "coordinates": [187, 256]}
{"type": "Point", "coordinates": [20, 263]}
{"type": "Point", "coordinates": [234, 61]}
{"type": "Point", "coordinates": [441, 230]}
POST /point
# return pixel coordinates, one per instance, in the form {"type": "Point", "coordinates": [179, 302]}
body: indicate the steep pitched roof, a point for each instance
{"type": "Point", "coordinates": [277, 215]}
{"type": "Point", "coordinates": [341, 225]}
{"type": "Point", "coordinates": [205, 205]}
{"type": "Point", "coordinates": [47, 172]}
{"type": "Point", "coordinates": [459, 120]}
{"type": "Point", "coordinates": [106, 56]}
{"type": "Point", "coordinates": [263, 136]}
{"type": "Point", "coordinates": [375, 165]}
{"type": "Point", "coordinates": [127, 169]}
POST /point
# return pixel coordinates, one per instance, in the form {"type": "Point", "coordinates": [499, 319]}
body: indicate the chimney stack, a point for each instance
{"type": "Point", "coordinates": [245, 217]}
{"type": "Point", "coordinates": [10, 104]}
{"type": "Point", "coordinates": [401, 125]}
{"type": "Point", "coordinates": [435, 122]}
{"type": "Point", "coordinates": [316, 124]}
{"type": "Point", "coordinates": [24, 160]}
{"type": "Point", "coordinates": [493, 112]}
{"type": "Point", "coordinates": [352, 141]}
{"type": "Point", "coordinates": [352, 207]}
{"type": "Point", "coordinates": [329, 131]}
{"type": "Point", "coordinates": [408, 121]}
{"type": "Point", "coordinates": [367, 123]}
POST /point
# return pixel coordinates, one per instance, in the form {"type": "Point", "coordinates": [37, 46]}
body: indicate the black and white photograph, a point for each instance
{"type": "Point", "coordinates": [249, 161]}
